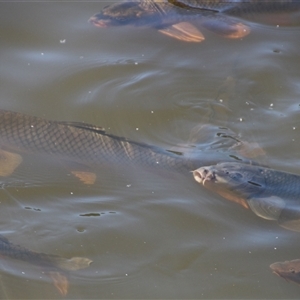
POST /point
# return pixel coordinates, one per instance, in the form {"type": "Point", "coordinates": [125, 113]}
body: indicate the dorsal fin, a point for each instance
{"type": "Point", "coordinates": [85, 126]}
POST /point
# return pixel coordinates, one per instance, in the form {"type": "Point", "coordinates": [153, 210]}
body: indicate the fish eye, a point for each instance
{"type": "Point", "coordinates": [235, 175]}
{"type": "Point", "coordinates": [292, 270]}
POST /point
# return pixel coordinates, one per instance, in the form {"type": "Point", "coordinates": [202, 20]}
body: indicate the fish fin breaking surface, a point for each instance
{"type": "Point", "coordinates": [184, 31]}
{"type": "Point", "coordinates": [226, 29]}
{"type": "Point", "coordinates": [9, 162]}
{"type": "Point", "coordinates": [88, 178]}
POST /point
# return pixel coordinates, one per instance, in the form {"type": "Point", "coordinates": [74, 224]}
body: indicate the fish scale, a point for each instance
{"type": "Point", "coordinates": [36, 135]}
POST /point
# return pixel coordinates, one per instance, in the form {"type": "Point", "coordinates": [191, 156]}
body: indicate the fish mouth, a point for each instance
{"type": "Point", "coordinates": [98, 23]}
{"type": "Point", "coordinates": [203, 175]}
{"type": "Point", "coordinates": [274, 267]}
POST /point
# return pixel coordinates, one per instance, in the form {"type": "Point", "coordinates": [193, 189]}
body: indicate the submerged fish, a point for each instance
{"type": "Point", "coordinates": [84, 143]}
{"type": "Point", "coordinates": [270, 194]}
{"type": "Point", "coordinates": [175, 17]}
{"type": "Point", "coordinates": [56, 266]}
{"type": "Point", "coordinates": [289, 270]}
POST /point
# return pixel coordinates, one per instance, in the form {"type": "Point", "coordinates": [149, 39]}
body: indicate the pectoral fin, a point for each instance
{"type": "Point", "coordinates": [60, 281]}
{"type": "Point", "coordinates": [183, 31]}
{"type": "Point", "coordinates": [268, 208]}
{"type": "Point", "coordinates": [227, 28]}
{"type": "Point", "coordinates": [249, 150]}
{"type": "Point", "coordinates": [9, 162]}
{"type": "Point", "coordinates": [88, 178]}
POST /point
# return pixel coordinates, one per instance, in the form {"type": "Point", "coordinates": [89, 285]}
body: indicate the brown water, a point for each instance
{"type": "Point", "coordinates": [149, 235]}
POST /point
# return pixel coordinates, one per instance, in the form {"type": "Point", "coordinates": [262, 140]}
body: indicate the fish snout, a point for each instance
{"type": "Point", "coordinates": [204, 174]}
{"type": "Point", "coordinates": [98, 22]}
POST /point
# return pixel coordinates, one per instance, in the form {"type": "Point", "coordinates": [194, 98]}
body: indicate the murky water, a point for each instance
{"type": "Point", "coordinates": [149, 235]}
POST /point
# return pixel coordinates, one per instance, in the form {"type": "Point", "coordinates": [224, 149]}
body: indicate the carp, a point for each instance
{"type": "Point", "coordinates": [176, 18]}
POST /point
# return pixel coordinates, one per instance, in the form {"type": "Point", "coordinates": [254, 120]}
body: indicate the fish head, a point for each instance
{"type": "Point", "coordinates": [289, 270]}
{"type": "Point", "coordinates": [234, 181]}
{"type": "Point", "coordinates": [124, 13]}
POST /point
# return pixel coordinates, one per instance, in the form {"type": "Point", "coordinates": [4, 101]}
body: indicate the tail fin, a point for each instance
{"type": "Point", "coordinates": [60, 279]}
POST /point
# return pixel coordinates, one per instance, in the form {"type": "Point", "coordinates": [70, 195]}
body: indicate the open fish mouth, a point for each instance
{"type": "Point", "coordinates": [274, 267]}
{"type": "Point", "coordinates": [204, 174]}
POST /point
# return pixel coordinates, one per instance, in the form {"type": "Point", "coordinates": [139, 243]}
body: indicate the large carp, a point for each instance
{"type": "Point", "coordinates": [86, 144]}
{"type": "Point", "coordinates": [270, 194]}
{"type": "Point", "coordinates": [176, 18]}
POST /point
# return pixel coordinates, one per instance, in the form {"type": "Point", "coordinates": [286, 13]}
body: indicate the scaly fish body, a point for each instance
{"type": "Point", "coordinates": [56, 266]}
{"type": "Point", "coordinates": [51, 262]}
{"type": "Point", "coordinates": [88, 144]}
{"type": "Point", "coordinates": [173, 17]}
{"type": "Point", "coordinates": [244, 7]}
{"type": "Point", "coordinates": [158, 13]}
{"type": "Point", "coordinates": [271, 194]}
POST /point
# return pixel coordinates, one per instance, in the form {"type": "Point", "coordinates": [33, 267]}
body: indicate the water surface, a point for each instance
{"type": "Point", "coordinates": [149, 235]}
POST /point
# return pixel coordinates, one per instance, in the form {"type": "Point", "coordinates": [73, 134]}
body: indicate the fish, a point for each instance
{"type": "Point", "coordinates": [270, 194]}
{"type": "Point", "coordinates": [55, 266]}
{"type": "Point", "coordinates": [289, 270]}
{"type": "Point", "coordinates": [88, 146]}
{"type": "Point", "coordinates": [85, 144]}
{"type": "Point", "coordinates": [175, 18]}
